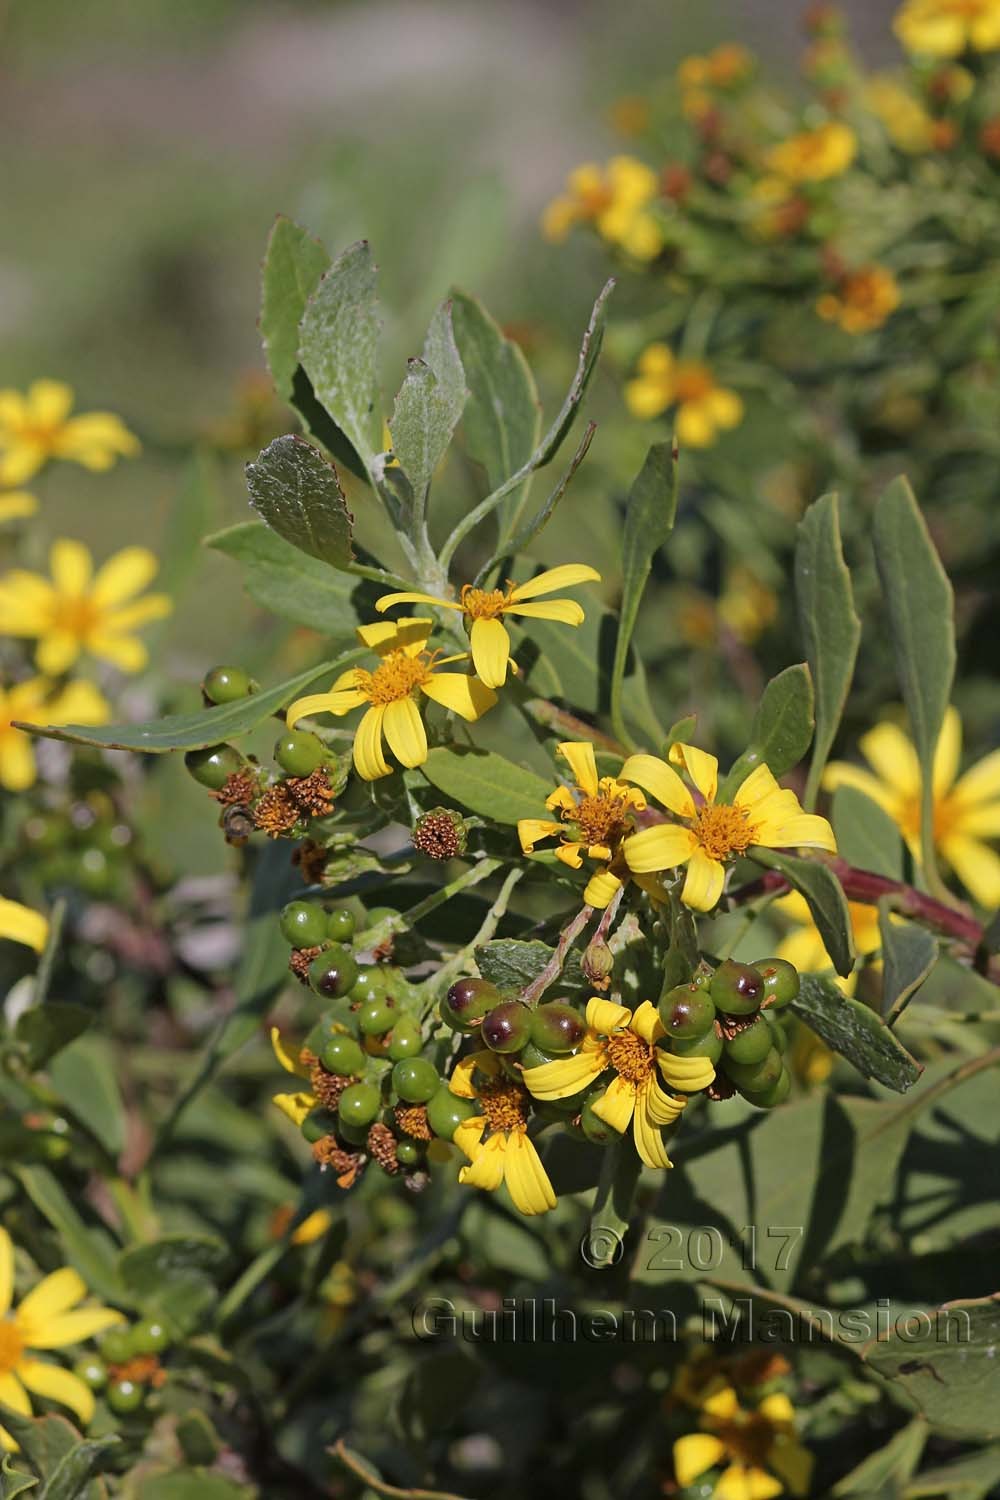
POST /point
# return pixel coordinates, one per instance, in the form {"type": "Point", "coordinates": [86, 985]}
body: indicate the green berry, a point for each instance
{"type": "Point", "coordinates": [317, 1124]}
{"type": "Point", "coordinates": [116, 1346]}
{"type": "Point", "coordinates": [376, 1017]}
{"type": "Point", "coordinates": [751, 1045]}
{"type": "Point", "coordinates": [353, 1135]}
{"type": "Point", "coordinates": [377, 914]}
{"type": "Point", "coordinates": [709, 1045]}
{"type": "Point", "coordinates": [359, 1104]}
{"type": "Point", "coordinates": [754, 1078]}
{"type": "Point", "coordinates": [507, 1027]}
{"type": "Point", "coordinates": [687, 1011]}
{"type": "Point", "coordinates": [214, 766]}
{"type": "Point", "coordinates": [333, 972]}
{"type": "Point", "coordinates": [92, 1371]}
{"type": "Point", "coordinates": [416, 1080]}
{"type": "Point", "coordinates": [303, 925]}
{"type": "Point", "coordinates": [150, 1336]}
{"type": "Point", "coordinates": [299, 753]}
{"type": "Point", "coordinates": [446, 1111]}
{"type": "Point", "coordinates": [409, 1153]}
{"type": "Point", "coordinates": [125, 1396]}
{"type": "Point", "coordinates": [779, 1036]}
{"type": "Point", "coordinates": [596, 1130]}
{"type": "Point", "coordinates": [343, 1055]}
{"type": "Point", "coordinates": [228, 685]}
{"type": "Point", "coordinates": [374, 982]}
{"type": "Point", "coordinates": [534, 1057]}
{"type": "Point", "coordinates": [776, 1094]}
{"type": "Point", "coordinates": [407, 1038]}
{"type": "Point", "coordinates": [467, 1002]}
{"type": "Point", "coordinates": [781, 982]}
{"type": "Point", "coordinates": [340, 925]}
{"type": "Point", "coordinates": [737, 989]}
{"type": "Point", "coordinates": [557, 1027]}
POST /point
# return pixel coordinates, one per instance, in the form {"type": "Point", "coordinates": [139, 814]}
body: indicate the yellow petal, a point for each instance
{"type": "Point", "coordinates": [526, 1178]}
{"type": "Point", "coordinates": [646, 399]}
{"type": "Point", "coordinates": [57, 652]}
{"type": "Point", "coordinates": [777, 1408]}
{"type": "Point", "coordinates": [388, 600]}
{"type": "Point", "coordinates": [295, 1107]}
{"type": "Point", "coordinates": [689, 1074]}
{"type": "Point", "coordinates": [126, 652]}
{"type": "Point", "coordinates": [490, 651]}
{"type": "Point", "coordinates": [981, 783]}
{"type": "Point", "coordinates": [72, 1327]}
{"type": "Point", "coordinates": [408, 635]}
{"type": "Point", "coordinates": [600, 889]}
{"type": "Point", "coordinates": [531, 831]}
{"type": "Point", "coordinates": [695, 428]}
{"type": "Point", "coordinates": [55, 1294]}
{"type": "Point", "coordinates": [840, 773]}
{"type": "Point", "coordinates": [17, 763]}
{"type": "Point", "coordinates": [604, 1016]}
{"type": "Point", "coordinates": [369, 762]}
{"type": "Point", "coordinates": [977, 867]}
{"type": "Point", "coordinates": [404, 730]}
{"type": "Point", "coordinates": [565, 611]}
{"type": "Point", "coordinates": [563, 577]}
{"type": "Point", "coordinates": [660, 848]}
{"type": "Point", "coordinates": [6, 1271]}
{"type": "Point", "coordinates": [656, 359]}
{"type": "Point", "coordinates": [570, 854]}
{"type": "Point", "coordinates": [583, 764]}
{"type": "Point", "coordinates": [755, 788]}
{"type": "Point", "coordinates": [662, 1108]}
{"type": "Point", "coordinates": [56, 1384]}
{"type": "Point", "coordinates": [123, 576]}
{"type": "Point", "coordinates": [703, 882]}
{"type": "Point", "coordinates": [70, 565]}
{"type": "Point", "coordinates": [486, 1169]}
{"type": "Point", "coordinates": [462, 695]}
{"type": "Point", "coordinates": [13, 1394]}
{"type": "Point", "coordinates": [645, 1022]}
{"type": "Point", "coordinates": [616, 1105]}
{"type": "Point", "coordinates": [49, 403]}
{"type": "Point", "coordinates": [19, 924]}
{"type": "Point", "coordinates": [80, 702]}
{"type": "Point", "coordinates": [741, 1483]}
{"type": "Point", "coordinates": [725, 407]}
{"type": "Point", "coordinates": [661, 781]}
{"type": "Point", "coordinates": [17, 504]}
{"type": "Point", "coordinates": [695, 1454]}
{"type": "Point", "coordinates": [722, 1403]}
{"type": "Point", "coordinates": [948, 752]}
{"type": "Point", "coordinates": [893, 758]}
{"type": "Point", "coordinates": [802, 831]}
{"type": "Point", "coordinates": [126, 617]}
{"type": "Point", "coordinates": [702, 768]}
{"type": "Point", "coordinates": [646, 1133]}
{"type": "Point", "coordinates": [468, 1135]}
{"type": "Point", "coordinates": [565, 1075]}
{"type": "Point", "coordinates": [289, 1061]}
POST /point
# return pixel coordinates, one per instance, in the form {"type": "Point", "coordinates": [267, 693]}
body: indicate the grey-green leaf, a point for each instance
{"type": "Point", "coordinates": [909, 953]}
{"type": "Point", "coordinates": [429, 407]}
{"type": "Point", "coordinates": [85, 1077]}
{"type": "Point", "coordinates": [486, 783]}
{"type": "Point", "coordinates": [43, 1030]}
{"type": "Point", "coordinates": [945, 1362]}
{"type": "Point", "coordinates": [512, 963]}
{"type": "Point", "coordinates": [782, 728]}
{"type": "Point", "coordinates": [866, 835]}
{"type": "Point", "coordinates": [298, 494]}
{"type": "Point", "coordinates": [13, 1481]}
{"type": "Point", "coordinates": [825, 898]}
{"type": "Point", "coordinates": [338, 349]}
{"type": "Point", "coordinates": [856, 1033]}
{"type": "Point", "coordinates": [287, 583]}
{"type": "Point", "coordinates": [829, 624]}
{"type": "Point", "coordinates": [293, 264]}
{"type": "Point", "coordinates": [70, 1479]}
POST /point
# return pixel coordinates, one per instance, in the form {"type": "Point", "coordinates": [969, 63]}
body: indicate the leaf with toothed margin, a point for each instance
{"type": "Point", "coordinates": [429, 407]}
{"type": "Point", "coordinates": [297, 493]}
{"type": "Point", "coordinates": [338, 349]}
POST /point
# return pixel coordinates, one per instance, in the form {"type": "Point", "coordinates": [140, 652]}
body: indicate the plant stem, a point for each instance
{"type": "Point", "coordinates": [460, 961]}
{"type": "Point", "coordinates": [409, 919]}
{"type": "Point", "coordinates": [554, 966]}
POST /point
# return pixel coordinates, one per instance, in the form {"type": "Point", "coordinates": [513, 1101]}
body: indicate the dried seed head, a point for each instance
{"type": "Point", "coordinates": [299, 960]}
{"type": "Point", "coordinates": [381, 1145]}
{"type": "Point", "coordinates": [440, 834]}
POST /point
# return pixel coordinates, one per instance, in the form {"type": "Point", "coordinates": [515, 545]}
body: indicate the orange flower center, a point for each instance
{"type": "Point", "coordinates": [11, 1346]}
{"type": "Point", "coordinates": [722, 830]}
{"type": "Point", "coordinates": [692, 382]}
{"type": "Point", "coordinates": [748, 1439]}
{"type": "Point", "coordinates": [602, 819]}
{"type": "Point", "coordinates": [504, 1105]}
{"type": "Point", "coordinates": [485, 604]}
{"type": "Point", "coordinates": [594, 200]}
{"type": "Point", "coordinates": [946, 815]}
{"type": "Point", "coordinates": [44, 434]}
{"type": "Point", "coordinates": [395, 677]}
{"type": "Point", "coordinates": [630, 1056]}
{"type": "Point", "coordinates": [77, 615]}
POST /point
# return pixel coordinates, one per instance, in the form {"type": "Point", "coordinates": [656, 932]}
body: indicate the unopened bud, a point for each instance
{"type": "Point", "coordinates": [598, 963]}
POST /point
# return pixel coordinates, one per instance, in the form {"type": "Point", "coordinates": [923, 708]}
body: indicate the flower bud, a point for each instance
{"type": "Point", "coordinates": [598, 964]}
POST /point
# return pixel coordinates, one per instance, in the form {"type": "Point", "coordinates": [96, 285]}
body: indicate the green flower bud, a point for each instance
{"type": "Point", "coordinates": [598, 963]}
{"type": "Point", "coordinates": [416, 1080]}
{"type": "Point", "coordinates": [557, 1027]}
{"type": "Point", "coordinates": [299, 753]}
{"type": "Point", "coordinates": [303, 924]}
{"type": "Point", "coordinates": [781, 982]}
{"type": "Point", "coordinates": [343, 1055]}
{"type": "Point", "coordinates": [228, 685]}
{"type": "Point", "coordinates": [333, 972]}
{"type": "Point", "coordinates": [359, 1105]}
{"type": "Point", "coordinates": [687, 1011]}
{"type": "Point", "coordinates": [507, 1026]}
{"type": "Point", "coordinates": [737, 989]}
{"type": "Point", "coordinates": [467, 1002]}
{"type": "Point", "coordinates": [407, 1038]}
{"type": "Point", "coordinates": [751, 1045]}
{"type": "Point", "coordinates": [213, 767]}
{"type": "Point", "coordinates": [446, 1111]}
{"type": "Point", "coordinates": [340, 925]}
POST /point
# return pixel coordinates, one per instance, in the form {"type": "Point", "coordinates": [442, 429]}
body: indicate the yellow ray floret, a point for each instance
{"type": "Point", "coordinates": [37, 701]}
{"type": "Point", "coordinates": [496, 1139]}
{"type": "Point", "coordinates": [38, 427]}
{"type": "Point", "coordinates": [945, 28]}
{"type": "Point", "coordinates": [704, 408]}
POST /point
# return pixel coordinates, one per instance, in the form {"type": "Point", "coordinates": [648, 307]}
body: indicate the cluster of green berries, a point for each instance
{"type": "Point", "coordinates": [127, 1368]}
{"type": "Point", "coordinates": [83, 847]}
{"type": "Point", "coordinates": [731, 1018]}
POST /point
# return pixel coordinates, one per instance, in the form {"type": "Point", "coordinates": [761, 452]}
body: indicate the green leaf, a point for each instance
{"type": "Point", "coordinates": [511, 963]}
{"type": "Point", "coordinates": [649, 520]}
{"type": "Point", "coordinates": [175, 1277]}
{"type": "Point", "coordinates": [298, 494]}
{"type": "Point", "coordinates": [866, 835]}
{"type": "Point", "coordinates": [856, 1033]}
{"type": "Point", "coordinates": [293, 264]}
{"type": "Point", "coordinates": [338, 348]}
{"type": "Point", "coordinates": [909, 953]}
{"type": "Point", "coordinates": [85, 1078]}
{"type": "Point", "coordinates": [503, 416]}
{"type": "Point", "coordinates": [825, 898]}
{"type": "Point", "coordinates": [192, 1484]}
{"type": "Point", "coordinates": [486, 783]}
{"type": "Point", "coordinates": [614, 1204]}
{"type": "Point", "coordinates": [970, 1478]}
{"type": "Point", "coordinates": [781, 731]}
{"type": "Point", "coordinates": [193, 508]}
{"type": "Point", "coordinates": [572, 665]}
{"type": "Point", "coordinates": [90, 1250]}
{"type": "Point", "coordinates": [920, 606]}
{"type": "Point", "coordinates": [194, 731]}
{"type": "Point", "coordinates": [359, 1466]}
{"type": "Point", "coordinates": [429, 407]}
{"type": "Point", "coordinates": [44, 1029]}
{"type": "Point", "coordinates": [287, 583]}
{"type": "Point", "coordinates": [829, 624]}
{"type": "Point", "coordinates": [947, 1367]}
{"type": "Point", "coordinates": [13, 1481]}
{"type": "Point", "coordinates": [70, 1479]}
{"type": "Point", "coordinates": [883, 1471]}
{"type": "Point", "coordinates": [43, 1441]}
{"type": "Point", "coordinates": [503, 1242]}
{"type": "Point", "coordinates": [198, 1439]}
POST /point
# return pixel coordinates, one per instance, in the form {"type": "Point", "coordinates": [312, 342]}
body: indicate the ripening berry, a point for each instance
{"type": "Point", "coordinates": [467, 1002]}
{"type": "Point", "coordinates": [333, 972]}
{"type": "Point", "coordinates": [709, 1045]}
{"type": "Point", "coordinates": [213, 766]}
{"type": "Point", "coordinates": [299, 753]}
{"type": "Point", "coordinates": [507, 1026]}
{"type": "Point", "coordinates": [779, 1036]}
{"type": "Point", "coordinates": [116, 1346]}
{"type": "Point", "coordinates": [557, 1027]}
{"type": "Point", "coordinates": [359, 1104]}
{"type": "Point", "coordinates": [343, 1055]}
{"type": "Point", "coordinates": [92, 1371]}
{"type": "Point", "coordinates": [228, 685]}
{"type": "Point", "coordinates": [303, 924]}
{"type": "Point", "coordinates": [751, 1045]}
{"type": "Point", "coordinates": [409, 1153]}
{"type": "Point", "coordinates": [340, 925]}
{"type": "Point", "coordinates": [776, 1094]}
{"type": "Point", "coordinates": [446, 1111]}
{"type": "Point", "coordinates": [781, 982]}
{"type": "Point", "coordinates": [687, 1011]}
{"type": "Point", "coordinates": [737, 989]}
{"type": "Point", "coordinates": [416, 1080]}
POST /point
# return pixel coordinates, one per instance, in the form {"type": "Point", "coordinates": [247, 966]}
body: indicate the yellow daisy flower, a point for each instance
{"type": "Point", "coordinates": [814, 155]}
{"type": "Point", "coordinates": [758, 1447]}
{"type": "Point", "coordinates": [906, 122]}
{"type": "Point", "coordinates": [36, 701]}
{"type": "Point", "coordinates": [966, 808]}
{"type": "Point", "coordinates": [944, 28]}
{"type": "Point", "coordinates": [593, 819]}
{"type": "Point", "coordinates": [623, 1042]}
{"type": "Point", "coordinates": [615, 199]}
{"type": "Point", "coordinates": [863, 300]}
{"type": "Point", "coordinates": [405, 668]}
{"type": "Point", "coordinates": [16, 504]}
{"type": "Point", "coordinates": [38, 426]}
{"type": "Point", "coordinates": [484, 609]}
{"type": "Point", "coordinates": [761, 812]}
{"type": "Point", "coordinates": [804, 948]}
{"type": "Point", "coordinates": [47, 1318]}
{"type": "Point", "coordinates": [80, 610]}
{"type": "Point", "coordinates": [19, 924]}
{"type": "Point", "coordinates": [704, 408]}
{"type": "Point", "coordinates": [496, 1139]}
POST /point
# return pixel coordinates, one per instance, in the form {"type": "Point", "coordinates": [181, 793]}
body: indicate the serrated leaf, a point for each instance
{"type": "Point", "coordinates": [781, 731]}
{"type": "Point", "coordinates": [297, 493]}
{"type": "Point", "coordinates": [948, 1367]}
{"type": "Point", "coordinates": [44, 1029]}
{"type": "Point", "coordinates": [194, 731]}
{"type": "Point", "coordinates": [909, 953]}
{"type": "Point", "coordinates": [85, 1078]}
{"type": "Point", "coordinates": [293, 264]}
{"type": "Point", "coordinates": [825, 898]}
{"type": "Point", "coordinates": [486, 783]}
{"type": "Point", "coordinates": [503, 416]}
{"type": "Point", "coordinates": [287, 583]}
{"type": "Point", "coordinates": [649, 519]}
{"type": "Point", "coordinates": [70, 1479]}
{"type": "Point", "coordinates": [511, 963]}
{"type": "Point", "coordinates": [855, 1033]}
{"type": "Point", "coordinates": [338, 349]}
{"type": "Point", "coordinates": [831, 629]}
{"type": "Point", "coordinates": [866, 835]}
{"type": "Point", "coordinates": [429, 407]}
